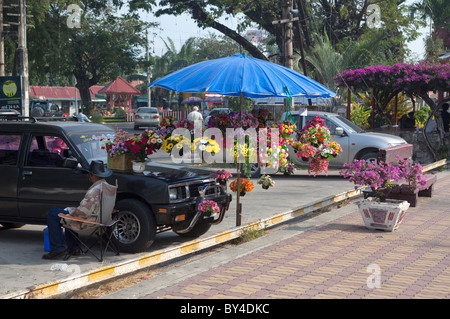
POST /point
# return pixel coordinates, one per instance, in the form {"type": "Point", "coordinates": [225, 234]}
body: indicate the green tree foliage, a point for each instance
{"type": "Point", "coordinates": [104, 45]}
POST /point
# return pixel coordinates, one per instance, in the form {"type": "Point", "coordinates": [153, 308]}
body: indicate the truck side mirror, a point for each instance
{"type": "Point", "coordinates": [70, 162]}
{"type": "Point", "coordinates": [339, 131]}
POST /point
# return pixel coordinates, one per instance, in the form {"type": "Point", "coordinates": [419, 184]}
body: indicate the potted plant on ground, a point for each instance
{"type": "Point", "coordinates": [379, 179]}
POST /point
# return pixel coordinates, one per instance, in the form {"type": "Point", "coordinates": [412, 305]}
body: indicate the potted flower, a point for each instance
{"type": "Point", "coordinates": [222, 176]}
{"type": "Point", "coordinates": [117, 148]}
{"type": "Point", "coordinates": [245, 186]}
{"type": "Point", "coordinates": [168, 121]}
{"type": "Point", "coordinates": [304, 150]}
{"type": "Point", "coordinates": [315, 146]}
{"type": "Point", "coordinates": [266, 182]}
{"type": "Point", "coordinates": [377, 210]}
{"type": "Point", "coordinates": [208, 207]}
{"type": "Point", "coordinates": [287, 169]}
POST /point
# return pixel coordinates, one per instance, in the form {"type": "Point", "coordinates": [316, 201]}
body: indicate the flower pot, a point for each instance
{"type": "Point", "coordinates": [121, 163]}
{"type": "Point", "coordinates": [138, 167]}
{"type": "Point", "coordinates": [265, 187]}
{"type": "Point", "coordinates": [242, 193]}
{"type": "Point", "coordinates": [385, 216]}
{"type": "Point", "coordinates": [305, 159]}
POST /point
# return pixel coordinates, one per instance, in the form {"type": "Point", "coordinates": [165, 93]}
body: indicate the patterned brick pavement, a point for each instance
{"type": "Point", "coordinates": [341, 259]}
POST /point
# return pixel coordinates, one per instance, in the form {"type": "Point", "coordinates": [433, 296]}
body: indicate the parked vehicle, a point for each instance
{"type": "Point", "coordinates": [355, 142]}
{"type": "Point", "coordinates": [40, 165]}
{"type": "Point", "coordinates": [146, 116]}
{"type": "Point", "coordinates": [45, 108]}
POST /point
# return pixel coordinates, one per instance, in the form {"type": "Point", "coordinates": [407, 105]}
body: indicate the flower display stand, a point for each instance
{"type": "Point", "coordinates": [121, 163]}
{"type": "Point", "coordinates": [385, 216]}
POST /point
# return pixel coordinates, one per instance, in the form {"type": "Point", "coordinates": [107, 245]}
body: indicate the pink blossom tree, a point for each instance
{"type": "Point", "coordinates": [415, 80]}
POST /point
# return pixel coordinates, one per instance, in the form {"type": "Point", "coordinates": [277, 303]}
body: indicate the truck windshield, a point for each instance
{"type": "Point", "coordinates": [349, 126]}
{"type": "Point", "coordinates": [90, 144]}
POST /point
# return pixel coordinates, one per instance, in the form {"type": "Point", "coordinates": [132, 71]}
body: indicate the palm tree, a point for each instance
{"type": "Point", "coordinates": [439, 12]}
{"type": "Point", "coordinates": [327, 62]}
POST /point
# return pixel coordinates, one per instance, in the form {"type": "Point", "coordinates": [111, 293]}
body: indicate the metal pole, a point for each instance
{"type": "Point", "coordinates": [149, 75]}
{"type": "Point", "coordinates": [23, 57]}
{"type": "Point", "coordinates": [2, 42]}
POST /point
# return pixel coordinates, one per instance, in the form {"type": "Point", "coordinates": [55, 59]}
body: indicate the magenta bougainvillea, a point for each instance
{"type": "Point", "coordinates": [421, 77]}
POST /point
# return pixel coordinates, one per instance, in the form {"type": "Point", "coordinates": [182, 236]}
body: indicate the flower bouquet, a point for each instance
{"type": "Point", "coordinates": [315, 145]}
{"type": "Point", "coordinates": [245, 186]}
{"type": "Point", "coordinates": [185, 123]}
{"type": "Point", "coordinates": [205, 144]}
{"type": "Point", "coordinates": [266, 182]}
{"type": "Point", "coordinates": [116, 146]}
{"type": "Point", "coordinates": [303, 150]}
{"type": "Point", "coordinates": [222, 176]}
{"type": "Point", "coordinates": [168, 121]}
{"type": "Point", "coordinates": [287, 169]}
{"type": "Point", "coordinates": [208, 207]}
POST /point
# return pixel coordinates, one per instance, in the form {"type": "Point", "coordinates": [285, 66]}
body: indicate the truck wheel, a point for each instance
{"type": "Point", "coordinates": [136, 228]}
{"type": "Point", "coordinates": [11, 225]}
{"type": "Point", "coordinates": [196, 231]}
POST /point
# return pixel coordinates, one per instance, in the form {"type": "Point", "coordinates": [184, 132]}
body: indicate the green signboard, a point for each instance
{"type": "Point", "coordinates": [11, 93]}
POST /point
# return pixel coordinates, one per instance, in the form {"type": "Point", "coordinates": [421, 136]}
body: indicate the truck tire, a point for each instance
{"type": "Point", "coordinates": [37, 112]}
{"type": "Point", "coordinates": [135, 230]}
{"type": "Point", "coordinates": [11, 225]}
{"type": "Point", "coordinates": [198, 230]}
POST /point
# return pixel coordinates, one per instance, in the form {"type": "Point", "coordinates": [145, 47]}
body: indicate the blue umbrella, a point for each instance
{"type": "Point", "coordinates": [238, 74]}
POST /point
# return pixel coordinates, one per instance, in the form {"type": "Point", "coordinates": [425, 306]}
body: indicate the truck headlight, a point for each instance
{"type": "Point", "coordinates": [173, 193]}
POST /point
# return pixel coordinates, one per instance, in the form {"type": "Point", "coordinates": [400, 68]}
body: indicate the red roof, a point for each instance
{"type": "Point", "coordinates": [60, 92]}
{"type": "Point", "coordinates": [119, 86]}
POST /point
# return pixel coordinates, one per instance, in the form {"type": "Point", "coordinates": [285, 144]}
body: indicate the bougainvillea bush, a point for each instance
{"type": "Point", "coordinates": [424, 76]}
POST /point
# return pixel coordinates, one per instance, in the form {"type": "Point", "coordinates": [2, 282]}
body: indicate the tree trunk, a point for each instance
{"type": "Point", "coordinates": [434, 112]}
{"type": "Point", "coordinates": [85, 95]}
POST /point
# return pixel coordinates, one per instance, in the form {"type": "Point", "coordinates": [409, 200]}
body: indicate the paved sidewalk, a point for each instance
{"type": "Point", "coordinates": [325, 258]}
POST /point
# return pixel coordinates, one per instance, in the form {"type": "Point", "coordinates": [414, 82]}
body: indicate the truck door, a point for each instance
{"type": "Point", "coordinates": [44, 183]}
{"type": "Point", "coordinates": [9, 172]}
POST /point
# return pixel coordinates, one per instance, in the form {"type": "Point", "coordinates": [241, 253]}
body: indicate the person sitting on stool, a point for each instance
{"type": "Point", "coordinates": [89, 208]}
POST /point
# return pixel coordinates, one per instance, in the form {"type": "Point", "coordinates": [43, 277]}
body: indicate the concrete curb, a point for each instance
{"type": "Point", "coordinates": [78, 281]}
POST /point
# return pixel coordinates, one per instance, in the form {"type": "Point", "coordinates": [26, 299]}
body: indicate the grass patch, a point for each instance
{"type": "Point", "coordinates": [249, 234]}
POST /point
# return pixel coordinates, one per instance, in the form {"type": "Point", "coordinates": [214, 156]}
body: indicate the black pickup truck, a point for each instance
{"type": "Point", "coordinates": [40, 168]}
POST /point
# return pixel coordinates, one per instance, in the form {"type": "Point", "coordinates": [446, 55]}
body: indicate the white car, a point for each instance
{"type": "Point", "coordinates": [146, 116]}
{"type": "Point", "coordinates": [355, 142]}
